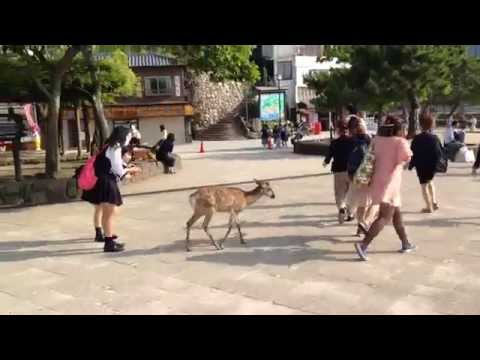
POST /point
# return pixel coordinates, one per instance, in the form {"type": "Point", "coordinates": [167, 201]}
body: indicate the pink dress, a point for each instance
{"type": "Point", "coordinates": [391, 153]}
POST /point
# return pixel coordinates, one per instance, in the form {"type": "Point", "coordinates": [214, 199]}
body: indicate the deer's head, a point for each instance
{"type": "Point", "coordinates": [265, 188]}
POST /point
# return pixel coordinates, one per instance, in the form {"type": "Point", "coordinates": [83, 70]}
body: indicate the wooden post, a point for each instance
{"type": "Point", "coordinates": [17, 143]}
{"type": "Point", "coordinates": [86, 125]}
{"type": "Point", "coordinates": [77, 129]}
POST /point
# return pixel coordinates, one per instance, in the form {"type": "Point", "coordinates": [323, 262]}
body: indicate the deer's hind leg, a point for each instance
{"type": "Point", "coordinates": [230, 225]}
{"type": "Point", "coordinates": [190, 223]}
{"type": "Point", "coordinates": [208, 217]}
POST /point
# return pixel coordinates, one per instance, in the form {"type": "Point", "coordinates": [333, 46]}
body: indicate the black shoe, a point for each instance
{"type": "Point", "coordinates": [349, 218]}
{"type": "Point", "coordinates": [341, 216]}
{"type": "Point", "coordinates": [113, 246]}
{"type": "Point", "coordinates": [100, 238]}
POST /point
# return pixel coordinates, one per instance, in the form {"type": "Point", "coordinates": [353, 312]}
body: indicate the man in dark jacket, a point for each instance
{"type": "Point", "coordinates": [340, 150]}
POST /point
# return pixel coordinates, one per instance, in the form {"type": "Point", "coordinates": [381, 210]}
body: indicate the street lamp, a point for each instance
{"type": "Point", "coordinates": [279, 78]}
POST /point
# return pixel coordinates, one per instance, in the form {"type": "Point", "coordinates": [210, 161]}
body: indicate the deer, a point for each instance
{"type": "Point", "coordinates": [206, 201]}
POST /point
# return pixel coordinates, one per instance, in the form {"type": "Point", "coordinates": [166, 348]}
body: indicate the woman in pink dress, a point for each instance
{"type": "Point", "coordinates": [391, 153]}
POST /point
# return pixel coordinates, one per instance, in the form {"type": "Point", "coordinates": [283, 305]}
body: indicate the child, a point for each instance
{"type": "Point", "coordinates": [340, 150]}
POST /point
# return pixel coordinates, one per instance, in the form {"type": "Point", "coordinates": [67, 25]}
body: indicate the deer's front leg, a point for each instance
{"type": "Point", "coordinates": [230, 225]}
{"type": "Point", "coordinates": [237, 223]}
{"type": "Point", "coordinates": [208, 217]}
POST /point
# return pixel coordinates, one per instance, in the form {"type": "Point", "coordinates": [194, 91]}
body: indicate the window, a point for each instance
{"type": "Point", "coordinates": [284, 68]}
{"type": "Point", "coordinates": [158, 85]}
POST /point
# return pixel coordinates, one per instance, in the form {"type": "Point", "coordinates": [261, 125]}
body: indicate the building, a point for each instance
{"type": "Point", "coordinates": [292, 63]}
{"type": "Point", "coordinates": [163, 99]}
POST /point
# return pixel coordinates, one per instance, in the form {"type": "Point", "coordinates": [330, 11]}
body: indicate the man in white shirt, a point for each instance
{"type": "Point", "coordinates": [473, 123]}
{"type": "Point", "coordinates": [449, 132]}
{"type": "Point", "coordinates": [163, 132]}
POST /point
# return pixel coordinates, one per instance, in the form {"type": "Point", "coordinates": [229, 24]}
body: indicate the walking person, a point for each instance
{"type": "Point", "coordinates": [427, 153]}
{"type": "Point", "coordinates": [164, 154]}
{"type": "Point", "coordinates": [358, 202]}
{"type": "Point", "coordinates": [391, 152]}
{"type": "Point", "coordinates": [264, 135]}
{"type": "Point", "coordinates": [105, 195]}
{"type": "Point", "coordinates": [284, 135]}
{"type": "Point", "coordinates": [276, 137]}
{"type": "Point", "coordinates": [340, 150]}
{"type": "Point", "coordinates": [476, 164]}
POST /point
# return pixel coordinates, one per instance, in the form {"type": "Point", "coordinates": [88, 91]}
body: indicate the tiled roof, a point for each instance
{"type": "Point", "coordinates": [145, 60]}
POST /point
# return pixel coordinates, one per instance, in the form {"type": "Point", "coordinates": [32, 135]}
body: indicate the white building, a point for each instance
{"type": "Point", "coordinates": [293, 62]}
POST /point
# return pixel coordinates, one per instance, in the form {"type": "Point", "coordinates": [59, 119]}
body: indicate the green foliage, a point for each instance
{"type": "Point", "coordinates": [15, 81]}
{"type": "Point", "coordinates": [333, 89]}
{"type": "Point", "coordinates": [116, 77]}
{"type": "Point", "coordinates": [222, 62]}
{"type": "Point", "coordinates": [383, 76]}
{"type": "Point", "coordinates": [112, 74]}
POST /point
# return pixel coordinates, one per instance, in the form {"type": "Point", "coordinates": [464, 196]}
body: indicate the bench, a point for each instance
{"type": "Point", "coordinates": [8, 131]}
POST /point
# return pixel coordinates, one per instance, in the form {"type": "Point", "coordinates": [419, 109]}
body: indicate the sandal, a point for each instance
{"type": "Point", "coordinates": [435, 206]}
{"type": "Point", "coordinates": [426, 211]}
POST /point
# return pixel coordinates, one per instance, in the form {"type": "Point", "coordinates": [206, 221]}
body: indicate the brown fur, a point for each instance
{"type": "Point", "coordinates": [209, 200]}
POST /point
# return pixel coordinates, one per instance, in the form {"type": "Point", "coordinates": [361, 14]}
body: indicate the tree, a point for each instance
{"type": "Point", "coordinates": [333, 90]}
{"type": "Point", "coordinates": [390, 74]}
{"type": "Point", "coordinates": [463, 83]}
{"type": "Point", "coordinates": [47, 65]}
{"type": "Point", "coordinates": [99, 80]}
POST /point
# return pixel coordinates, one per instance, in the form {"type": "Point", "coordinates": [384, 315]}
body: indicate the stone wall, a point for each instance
{"type": "Point", "coordinates": [33, 191]}
{"type": "Point", "coordinates": [214, 101]}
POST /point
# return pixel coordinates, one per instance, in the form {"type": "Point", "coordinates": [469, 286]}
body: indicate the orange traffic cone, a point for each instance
{"type": "Point", "coordinates": [202, 149]}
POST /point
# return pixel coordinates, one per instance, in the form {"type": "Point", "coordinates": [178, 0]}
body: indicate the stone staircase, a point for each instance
{"type": "Point", "coordinates": [225, 129]}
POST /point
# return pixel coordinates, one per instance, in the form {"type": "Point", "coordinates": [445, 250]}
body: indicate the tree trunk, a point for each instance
{"type": "Point", "coordinates": [453, 109]}
{"type": "Point", "coordinates": [61, 139]}
{"type": "Point", "coordinates": [52, 164]}
{"type": "Point", "coordinates": [88, 128]}
{"type": "Point", "coordinates": [100, 119]}
{"type": "Point", "coordinates": [78, 132]}
{"type": "Point", "coordinates": [413, 118]}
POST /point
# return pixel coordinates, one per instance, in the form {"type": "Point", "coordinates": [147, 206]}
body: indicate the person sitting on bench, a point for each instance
{"type": "Point", "coordinates": [164, 153]}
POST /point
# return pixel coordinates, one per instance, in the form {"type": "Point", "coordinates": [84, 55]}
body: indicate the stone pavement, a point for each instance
{"type": "Point", "coordinates": [298, 259]}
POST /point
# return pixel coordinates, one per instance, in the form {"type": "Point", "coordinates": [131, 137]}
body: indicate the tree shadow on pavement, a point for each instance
{"type": "Point", "coordinates": [446, 222]}
{"type": "Point", "coordinates": [257, 156]}
{"type": "Point", "coordinates": [16, 245]}
{"type": "Point", "coordinates": [291, 244]}
{"type": "Point", "coordinates": [301, 204]}
{"type": "Point", "coordinates": [307, 223]}
{"type": "Point", "coordinates": [9, 256]}
{"type": "Point", "coordinates": [284, 257]}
